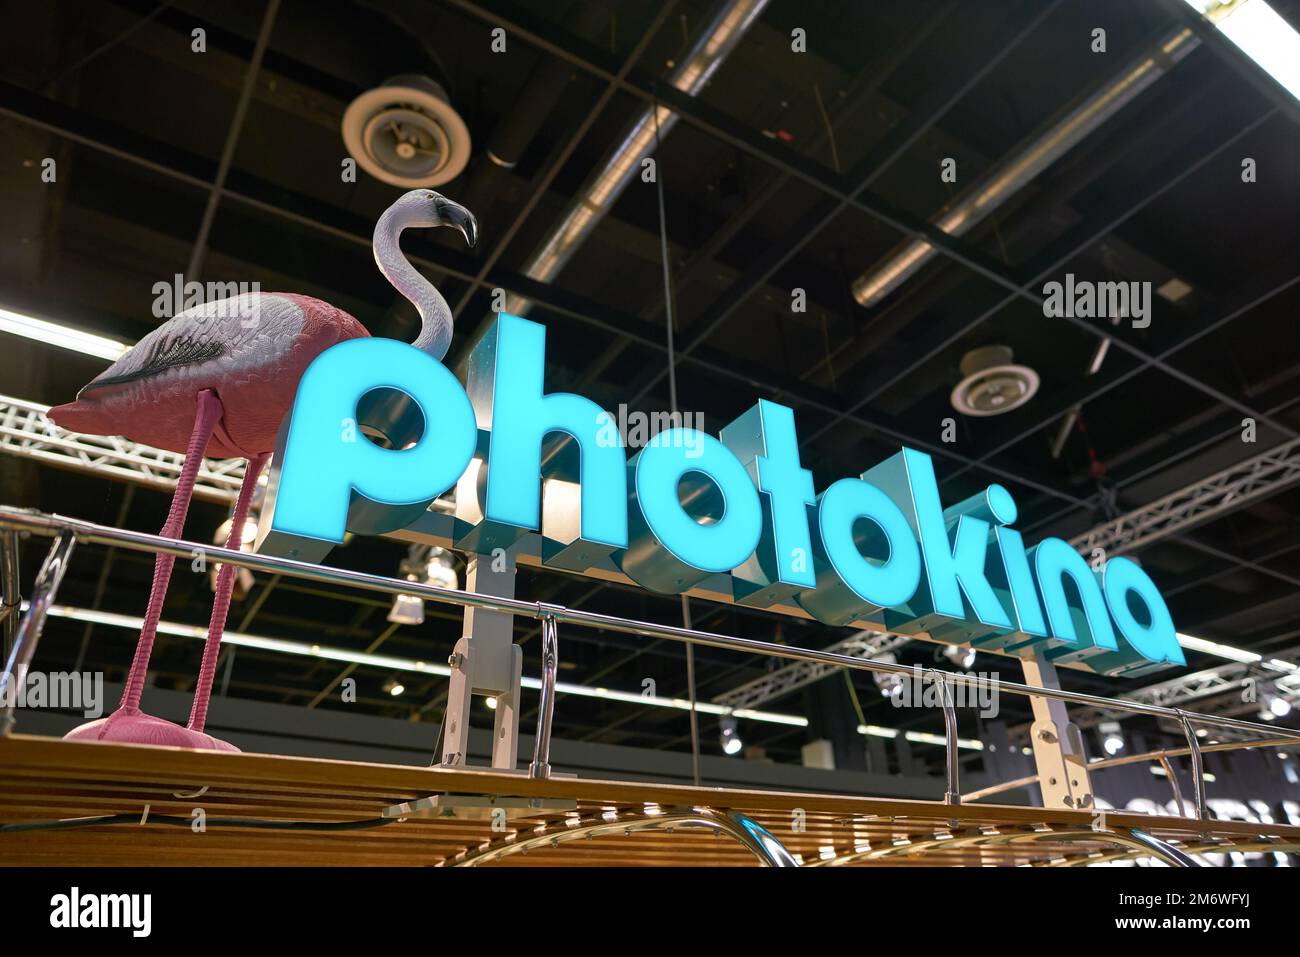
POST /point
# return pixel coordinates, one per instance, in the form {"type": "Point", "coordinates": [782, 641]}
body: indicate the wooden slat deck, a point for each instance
{"type": "Point", "coordinates": [44, 778]}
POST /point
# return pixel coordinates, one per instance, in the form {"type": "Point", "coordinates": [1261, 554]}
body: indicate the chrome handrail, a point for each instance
{"type": "Point", "coordinates": [41, 523]}
{"type": "Point", "coordinates": [1161, 754]}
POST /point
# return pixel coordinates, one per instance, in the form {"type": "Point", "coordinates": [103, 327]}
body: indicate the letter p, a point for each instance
{"type": "Point", "coordinates": [320, 463]}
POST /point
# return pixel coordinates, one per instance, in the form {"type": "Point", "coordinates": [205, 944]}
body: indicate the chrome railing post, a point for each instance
{"type": "Point", "coordinates": [541, 764]}
{"type": "Point", "coordinates": [1173, 783]}
{"type": "Point", "coordinates": [11, 598]}
{"type": "Point", "coordinates": [29, 630]}
{"type": "Point", "coordinates": [953, 794]}
{"type": "Point", "coordinates": [1198, 765]}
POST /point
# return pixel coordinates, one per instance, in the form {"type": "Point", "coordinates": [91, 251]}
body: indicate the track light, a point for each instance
{"type": "Point", "coordinates": [491, 703]}
{"type": "Point", "coordinates": [394, 687]}
{"type": "Point", "coordinates": [406, 610]}
{"type": "Point", "coordinates": [891, 686]}
{"type": "Point", "coordinates": [431, 566]}
{"type": "Point", "coordinates": [730, 736]}
{"type": "Point", "coordinates": [1278, 706]}
{"type": "Point", "coordinates": [243, 577]}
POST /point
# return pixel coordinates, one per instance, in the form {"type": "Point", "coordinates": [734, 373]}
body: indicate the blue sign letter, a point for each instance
{"type": "Point", "coordinates": [326, 458]}
{"type": "Point", "coordinates": [765, 442]}
{"type": "Point", "coordinates": [675, 546]}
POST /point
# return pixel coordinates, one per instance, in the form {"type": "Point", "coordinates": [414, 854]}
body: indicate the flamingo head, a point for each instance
{"type": "Point", "coordinates": [424, 207]}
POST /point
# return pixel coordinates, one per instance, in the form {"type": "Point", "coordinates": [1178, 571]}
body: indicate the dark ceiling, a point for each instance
{"type": "Point", "coordinates": [788, 171]}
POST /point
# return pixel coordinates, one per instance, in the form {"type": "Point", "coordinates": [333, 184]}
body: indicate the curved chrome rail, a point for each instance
{"type": "Point", "coordinates": [1133, 839]}
{"type": "Point", "coordinates": [748, 833]}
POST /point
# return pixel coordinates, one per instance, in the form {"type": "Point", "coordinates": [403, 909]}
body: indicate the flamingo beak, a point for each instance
{"type": "Point", "coordinates": [454, 214]}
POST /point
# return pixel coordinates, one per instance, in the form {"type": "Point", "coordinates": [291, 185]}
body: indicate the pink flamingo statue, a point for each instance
{"type": "Point", "coordinates": [219, 378]}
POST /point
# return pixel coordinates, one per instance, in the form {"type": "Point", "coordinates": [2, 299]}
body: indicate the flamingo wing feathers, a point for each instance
{"type": "Point", "coordinates": [250, 349]}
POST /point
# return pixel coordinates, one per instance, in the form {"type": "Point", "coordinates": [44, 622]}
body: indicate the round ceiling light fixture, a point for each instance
{"type": "Point", "coordinates": [991, 383]}
{"type": "Point", "coordinates": [406, 133]}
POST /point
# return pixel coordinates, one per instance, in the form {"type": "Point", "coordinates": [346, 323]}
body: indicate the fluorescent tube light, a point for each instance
{"type": "Point", "coordinates": [1262, 35]}
{"type": "Point", "coordinates": [918, 737]}
{"type": "Point", "coordinates": [393, 663]}
{"type": "Point", "coordinates": [1208, 647]}
{"type": "Point", "coordinates": [65, 337]}
{"type": "Point", "coordinates": [390, 662]}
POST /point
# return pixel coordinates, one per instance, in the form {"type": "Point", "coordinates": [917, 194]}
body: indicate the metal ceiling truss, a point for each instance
{"type": "Point", "coordinates": [1251, 480]}
{"type": "Point", "coordinates": [1281, 669]}
{"type": "Point", "coordinates": [1259, 477]}
{"type": "Point", "coordinates": [58, 119]}
{"type": "Point", "coordinates": [27, 432]}
{"type": "Point", "coordinates": [543, 35]}
{"type": "Point", "coordinates": [781, 681]}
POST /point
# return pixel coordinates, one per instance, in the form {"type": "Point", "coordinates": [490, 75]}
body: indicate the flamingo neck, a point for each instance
{"type": "Point", "coordinates": [435, 314]}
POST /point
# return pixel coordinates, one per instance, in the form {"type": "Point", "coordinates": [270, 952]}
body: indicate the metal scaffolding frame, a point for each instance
{"type": "Point", "coordinates": [1282, 668]}
{"type": "Point", "coordinates": [1258, 477]}
{"type": "Point", "coordinates": [27, 432]}
{"type": "Point", "coordinates": [780, 682]}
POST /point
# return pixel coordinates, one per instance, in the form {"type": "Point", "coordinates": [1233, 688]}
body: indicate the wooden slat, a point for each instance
{"type": "Point", "coordinates": [43, 779]}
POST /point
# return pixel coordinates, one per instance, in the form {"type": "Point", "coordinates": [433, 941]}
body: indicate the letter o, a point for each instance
{"type": "Point", "coordinates": [669, 550]}
{"type": "Point", "coordinates": [891, 581]}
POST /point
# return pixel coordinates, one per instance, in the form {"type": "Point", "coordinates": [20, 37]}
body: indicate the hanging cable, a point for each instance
{"type": "Point", "coordinates": [187, 822]}
{"type": "Point", "coordinates": [672, 403]}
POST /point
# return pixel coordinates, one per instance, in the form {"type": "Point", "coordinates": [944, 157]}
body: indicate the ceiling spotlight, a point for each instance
{"type": "Point", "coordinates": [394, 687]}
{"type": "Point", "coordinates": [991, 383]}
{"type": "Point", "coordinates": [730, 736]}
{"type": "Point", "coordinates": [440, 570]}
{"type": "Point", "coordinates": [429, 566]}
{"type": "Point", "coordinates": [406, 610]}
{"type": "Point", "coordinates": [1111, 740]}
{"type": "Point", "coordinates": [491, 703]}
{"type": "Point", "coordinates": [249, 535]}
{"type": "Point", "coordinates": [1278, 706]}
{"type": "Point", "coordinates": [959, 656]}
{"type": "Point", "coordinates": [890, 685]}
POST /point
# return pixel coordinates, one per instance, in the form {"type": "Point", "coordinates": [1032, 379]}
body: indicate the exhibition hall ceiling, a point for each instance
{"type": "Point", "coordinates": [791, 180]}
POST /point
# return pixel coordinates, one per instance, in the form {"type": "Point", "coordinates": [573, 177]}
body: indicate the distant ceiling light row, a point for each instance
{"type": "Point", "coordinates": [392, 663]}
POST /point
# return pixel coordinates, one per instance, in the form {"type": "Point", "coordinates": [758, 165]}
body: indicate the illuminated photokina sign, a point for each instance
{"type": "Point", "coordinates": [880, 548]}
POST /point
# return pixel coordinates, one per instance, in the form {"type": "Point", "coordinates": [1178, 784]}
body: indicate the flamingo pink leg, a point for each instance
{"type": "Point", "coordinates": [221, 604]}
{"type": "Point", "coordinates": [209, 413]}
